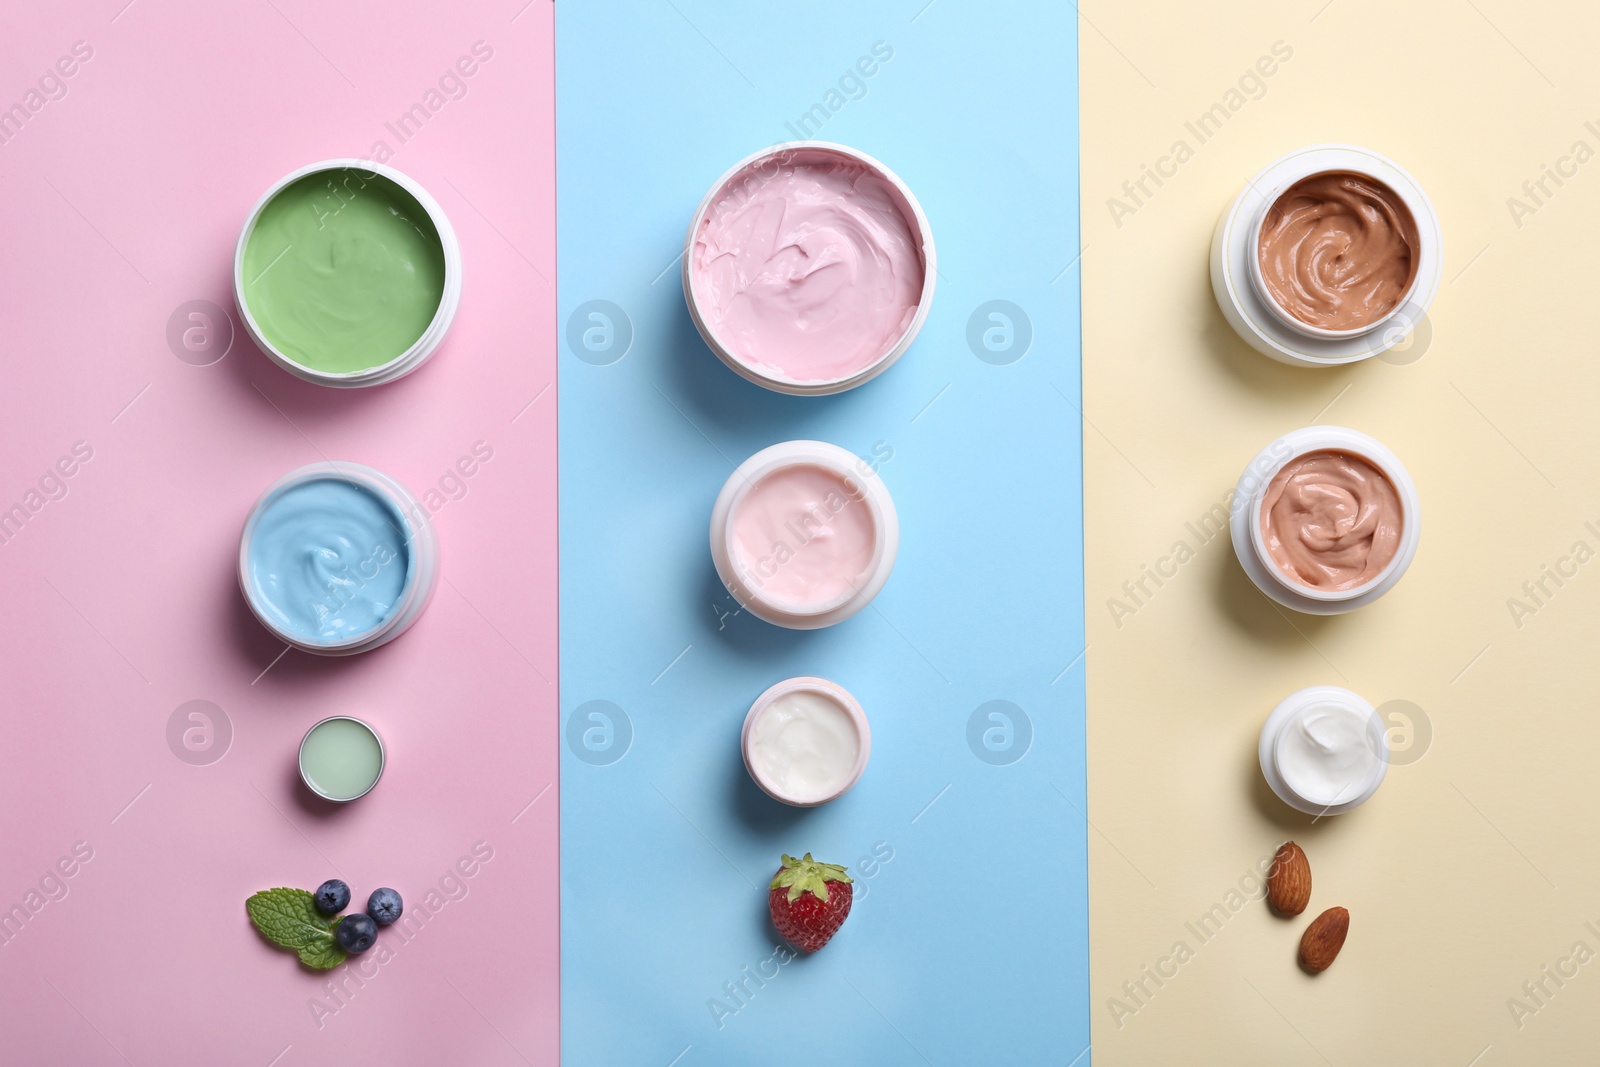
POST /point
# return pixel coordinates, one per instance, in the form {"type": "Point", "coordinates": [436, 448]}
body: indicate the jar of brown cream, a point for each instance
{"type": "Point", "coordinates": [1330, 255]}
{"type": "Point", "coordinates": [1335, 253]}
{"type": "Point", "coordinates": [1325, 520]}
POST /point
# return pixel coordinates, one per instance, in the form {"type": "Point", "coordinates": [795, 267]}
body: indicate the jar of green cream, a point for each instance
{"type": "Point", "coordinates": [347, 273]}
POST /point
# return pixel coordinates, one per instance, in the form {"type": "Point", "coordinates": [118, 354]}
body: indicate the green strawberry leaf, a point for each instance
{"type": "Point", "coordinates": [798, 876]}
{"type": "Point", "coordinates": [289, 917]}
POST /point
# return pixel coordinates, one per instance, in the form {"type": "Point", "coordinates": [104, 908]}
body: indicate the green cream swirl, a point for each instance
{"type": "Point", "coordinates": [343, 271]}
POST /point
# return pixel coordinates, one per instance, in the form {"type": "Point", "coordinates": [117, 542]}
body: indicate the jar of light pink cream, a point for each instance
{"type": "Point", "coordinates": [809, 268]}
{"type": "Point", "coordinates": [804, 534]}
{"type": "Point", "coordinates": [1325, 520]}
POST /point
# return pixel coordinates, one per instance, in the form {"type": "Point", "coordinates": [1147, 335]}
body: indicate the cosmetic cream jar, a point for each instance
{"type": "Point", "coordinates": [381, 291]}
{"type": "Point", "coordinates": [804, 534]}
{"type": "Point", "coordinates": [337, 558]}
{"type": "Point", "coordinates": [1246, 300]}
{"type": "Point", "coordinates": [806, 741]}
{"type": "Point", "coordinates": [1247, 521]}
{"type": "Point", "coordinates": [1324, 750]}
{"type": "Point", "coordinates": [741, 185]}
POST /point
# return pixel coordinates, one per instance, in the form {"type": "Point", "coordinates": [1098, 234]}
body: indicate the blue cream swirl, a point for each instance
{"type": "Point", "coordinates": [329, 560]}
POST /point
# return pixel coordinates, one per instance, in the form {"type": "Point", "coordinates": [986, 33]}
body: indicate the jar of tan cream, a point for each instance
{"type": "Point", "coordinates": [1325, 520]}
{"type": "Point", "coordinates": [804, 534]}
{"type": "Point", "coordinates": [1324, 750]}
{"type": "Point", "coordinates": [1329, 255]}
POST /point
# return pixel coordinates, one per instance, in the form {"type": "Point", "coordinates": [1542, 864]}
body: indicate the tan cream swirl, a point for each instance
{"type": "Point", "coordinates": [1338, 250]}
{"type": "Point", "coordinates": [1331, 520]}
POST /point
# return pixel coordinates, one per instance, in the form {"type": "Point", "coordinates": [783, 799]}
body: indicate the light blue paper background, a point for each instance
{"type": "Point", "coordinates": [970, 944]}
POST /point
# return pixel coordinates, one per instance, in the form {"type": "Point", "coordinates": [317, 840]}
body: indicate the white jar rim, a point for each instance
{"type": "Point", "coordinates": [422, 564]}
{"type": "Point", "coordinates": [826, 386]}
{"type": "Point", "coordinates": [850, 469]}
{"type": "Point", "coordinates": [1249, 544]}
{"type": "Point", "coordinates": [1272, 330]}
{"type": "Point", "coordinates": [1288, 712]}
{"type": "Point", "coordinates": [423, 347]}
{"type": "Point", "coordinates": [829, 690]}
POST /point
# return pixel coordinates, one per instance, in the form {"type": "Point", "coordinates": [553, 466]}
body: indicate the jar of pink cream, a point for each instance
{"type": "Point", "coordinates": [1325, 520]}
{"type": "Point", "coordinates": [809, 268]}
{"type": "Point", "coordinates": [1330, 255]}
{"type": "Point", "coordinates": [804, 534]}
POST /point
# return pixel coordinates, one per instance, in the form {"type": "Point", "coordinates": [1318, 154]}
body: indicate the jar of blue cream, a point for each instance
{"type": "Point", "coordinates": [337, 558]}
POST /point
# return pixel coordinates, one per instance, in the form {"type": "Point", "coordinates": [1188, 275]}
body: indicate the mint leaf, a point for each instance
{"type": "Point", "coordinates": [288, 917]}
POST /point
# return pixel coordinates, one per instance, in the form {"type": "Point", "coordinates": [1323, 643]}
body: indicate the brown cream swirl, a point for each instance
{"type": "Point", "coordinates": [1338, 250]}
{"type": "Point", "coordinates": [1331, 520]}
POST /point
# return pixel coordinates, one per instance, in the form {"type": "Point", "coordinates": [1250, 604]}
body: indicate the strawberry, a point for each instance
{"type": "Point", "coordinates": [809, 901]}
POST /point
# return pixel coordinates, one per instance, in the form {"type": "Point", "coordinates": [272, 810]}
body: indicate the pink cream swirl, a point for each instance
{"type": "Point", "coordinates": [808, 265]}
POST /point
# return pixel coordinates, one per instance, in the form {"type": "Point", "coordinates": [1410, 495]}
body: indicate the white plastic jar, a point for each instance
{"type": "Point", "coordinates": [806, 741]}
{"type": "Point", "coordinates": [339, 172]}
{"type": "Point", "coordinates": [804, 534]}
{"type": "Point", "coordinates": [337, 558]}
{"type": "Point", "coordinates": [743, 184]}
{"type": "Point", "coordinates": [1245, 299]}
{"type": "Point", "coordinates": [1324, 750]}
{"type": "Point", "coordinates": [1247, 520]}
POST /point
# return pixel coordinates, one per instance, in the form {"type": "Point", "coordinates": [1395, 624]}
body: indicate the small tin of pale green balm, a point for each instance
{"type": "Point", "coordinates": [341, 759]}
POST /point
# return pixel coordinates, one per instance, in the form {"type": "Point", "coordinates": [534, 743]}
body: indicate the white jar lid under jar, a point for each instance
{"type": "Point", "coordinates": [1324, 750]}
{"type": "Point", "coordinates": [804, 534]}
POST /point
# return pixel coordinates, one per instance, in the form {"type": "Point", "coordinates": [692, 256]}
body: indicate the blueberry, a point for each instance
{"type": "Point", "coordinates": [331, 897]}
{"type": "Point", "coordinates": [384, 906]}
{"type": "Point", "coordinates": [355, 933]}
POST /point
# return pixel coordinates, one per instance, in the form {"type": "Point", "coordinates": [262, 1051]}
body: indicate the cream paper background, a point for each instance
{"type": "Point", "coordinates": [1474, 869]}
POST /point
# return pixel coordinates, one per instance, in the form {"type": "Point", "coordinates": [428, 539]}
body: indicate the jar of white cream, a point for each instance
{"type": "Point", "coordinates": [804, 534]}
{"type": "Point", "coordinates": [1325, 520]}
{"type": "Point", "coordinates": [1324, 750]}
{"type": "Point", "coordinates": [1330, 255]}
{"type": "Point", "coordinates": [806, 741]}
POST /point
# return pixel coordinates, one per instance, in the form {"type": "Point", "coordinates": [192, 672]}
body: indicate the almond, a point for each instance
{"type": "Point", "coordinates": [1323, 939]}
{"type": "Point", "coordinates": [1289, 880]}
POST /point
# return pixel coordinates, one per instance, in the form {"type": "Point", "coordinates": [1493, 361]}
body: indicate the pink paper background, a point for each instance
{"type": "Point", "coordinates": [122, 201]}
